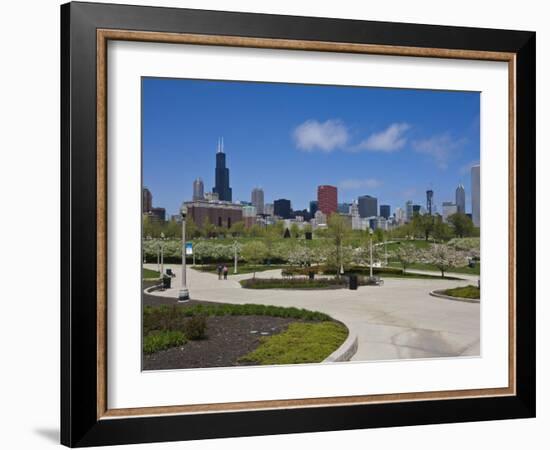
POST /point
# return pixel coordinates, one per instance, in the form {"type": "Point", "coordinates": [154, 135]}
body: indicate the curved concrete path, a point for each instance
{"type": "Point", "coordinates": [398, 320]}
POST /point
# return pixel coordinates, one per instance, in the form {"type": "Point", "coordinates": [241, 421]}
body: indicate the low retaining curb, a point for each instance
{"type": "Point", "coordinates": [346, 351]}
{"type": "Point", "coordinates": [439, 293]}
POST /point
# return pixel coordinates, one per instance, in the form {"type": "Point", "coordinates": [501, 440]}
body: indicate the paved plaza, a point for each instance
{"type": "Point", "coordinates": [398, 320]}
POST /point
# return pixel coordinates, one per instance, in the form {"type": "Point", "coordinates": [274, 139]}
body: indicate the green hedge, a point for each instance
{"type": "Point", "coordinates": [293, 283]}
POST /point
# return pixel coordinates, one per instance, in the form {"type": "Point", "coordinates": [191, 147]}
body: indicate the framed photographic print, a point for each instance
{"type": "Point", "coordinates": [277, 224]}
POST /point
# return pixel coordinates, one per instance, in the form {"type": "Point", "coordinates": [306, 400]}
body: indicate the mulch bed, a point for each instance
{"type": "Point", "coordinates": [228, 338]}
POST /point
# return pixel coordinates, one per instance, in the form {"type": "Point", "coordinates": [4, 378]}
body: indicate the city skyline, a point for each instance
{"type": "Point", "coordinates": [373, 158]}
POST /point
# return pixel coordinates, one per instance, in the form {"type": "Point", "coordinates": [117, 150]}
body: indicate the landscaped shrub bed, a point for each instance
{"type": "Point", "coordinates": [464, 292]}
{"type": "Point", "coordinates": [172, 317]}
{"type": "Point", "coordinates": [299, 343]}
{"type": "Point", "coordinates": [293, 283]}
{"type": "Point", "coordinates": [161, 340]}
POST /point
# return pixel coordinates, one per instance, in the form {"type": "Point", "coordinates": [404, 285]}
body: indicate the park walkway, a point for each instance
{"type": "Point", "coordinates": [398, 320]}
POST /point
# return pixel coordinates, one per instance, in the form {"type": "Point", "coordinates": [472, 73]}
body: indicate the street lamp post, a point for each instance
{"type": "Point", "coordinates": [370, 232]}
{"type": "Point", "coordinates": [183, 295]}
{"type": "Point", "coordinates": [158, 257]}
{"type": "Point", "coordinates": [161, 244]}
{"type": "Point", "coordinates": [235, 257]}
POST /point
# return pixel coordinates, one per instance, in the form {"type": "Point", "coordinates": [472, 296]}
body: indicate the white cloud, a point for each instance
{"type": "Point", "coordinates": [353, 184]}
{"type": "Point", "coordinates": [389, 140]}
{"type": "Point", "coordinates": [323, 136]}
{"type": "Point", "coordinates": [441, 148]}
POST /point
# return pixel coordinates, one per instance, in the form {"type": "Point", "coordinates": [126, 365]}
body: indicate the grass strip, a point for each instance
{"type": "Point", "coordinates": [464, 292]}
{"type": "Point", "coordinates": [300, 343]}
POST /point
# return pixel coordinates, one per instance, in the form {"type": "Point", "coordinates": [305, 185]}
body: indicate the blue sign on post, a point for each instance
{"type": "Point", "coordinates": [188, 248]}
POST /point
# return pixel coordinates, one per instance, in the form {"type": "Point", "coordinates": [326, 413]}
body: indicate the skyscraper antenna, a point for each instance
{"type": "Point", "coordinates": [222, 144]}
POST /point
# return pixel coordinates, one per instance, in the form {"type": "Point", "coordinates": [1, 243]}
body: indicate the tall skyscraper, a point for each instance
{"type": "Point", "coordinates": [198, 189]}
{"type": "Point", "coordinates": [257, 199]}
{"type": "Point", "coordinates": [368, 206]}
{"type": "Point", "coordinates": [408, 210]}
{"type": "Point", "coordinates": [449, 208]}
{"type": "Point", "coordinates": [327, 198]}
{"type": "Point", "coordinates": [460, 199]}
{"type": "Point", "coordinates": [475, 196]}
{"type": "Point", "coordinates": [313, 207]}
{"type": "Point", "coordinates": [429, 201]}
{"type": "Point", "coordinates": [222, 175]}
{"type": "Point", "coordinates": [399, 215]}
{"type": "Point", "coordinates": [416, 209]}
{"type": "Point", "coordinates": [282, 208]}
{"type": "Point", "coordinates": [385, 211]}
{"type": "Point", "coordinates": [147, 201]}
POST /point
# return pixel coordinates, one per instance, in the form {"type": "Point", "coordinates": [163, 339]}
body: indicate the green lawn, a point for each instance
{"type": "Point", "coordinates": [464, 292]}
{"type": "Point", "coordinates": [419, 244]}
{"type": "Point", "coordinates": [300, 343]}
{"type": "Point", "coordinates": [150, 274]}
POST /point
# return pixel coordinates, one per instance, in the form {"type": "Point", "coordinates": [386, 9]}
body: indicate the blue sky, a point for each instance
{"type": "Point", "coordinates": [290, 138]}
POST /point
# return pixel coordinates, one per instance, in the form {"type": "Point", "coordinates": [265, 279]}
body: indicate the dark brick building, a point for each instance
{"type": "Point", "coordinates": [218, 213]}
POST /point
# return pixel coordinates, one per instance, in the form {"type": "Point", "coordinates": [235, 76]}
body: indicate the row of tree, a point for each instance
{"type": "Point", "coordinates": [421, 226]}
{"type": "Point", "coordinates": [432, 227]}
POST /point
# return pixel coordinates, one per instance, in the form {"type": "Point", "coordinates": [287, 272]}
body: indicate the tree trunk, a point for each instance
{"type": "Point", "coordinates": [442, 273]}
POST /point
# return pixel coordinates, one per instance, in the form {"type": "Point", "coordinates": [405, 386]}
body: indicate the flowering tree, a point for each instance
{"type": "Point", "coordinates": [406, 254]}
{"type": "Point", "coordinates": [254, 252]}
{"type": "Point", "coordinates": [444, 257]}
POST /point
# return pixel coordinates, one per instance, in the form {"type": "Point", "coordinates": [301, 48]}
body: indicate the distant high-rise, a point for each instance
{"type": "Point", "coordinates": [282, 208]}
{"type": "Point", "coordinates": [399, 215]}
{"type": "Point", "coordinates": [408, 210]}
{"type": "Point", "coordinates": [475, 196]}
{"type": "Point", "coordinates": [158, 214]}
{"type": "Point", "coordinates": [343, 208]}
{"type": "Point", "coordinates": [327, 198]}
{"type": "Point", "coordinates": [269, 209]}
{"type": "Point", "coordinates": [222, 175]}
{"type": "Point", "coordinates": [449, 208]}
{"type": "Point", "coordinates": [385, 211]}
{"type": "Point", "coordinates": [460, 199]}
{"type": "Point", "coordinates": [313, 207]}
{"type": "Point", "coordinates": [147, 201]}
{"type": "Point", "coordinates": [368, 206]}
{"type": "Point", "coordinates": [198, 189]}
{"type": "Point", "coordinates": [257, 199]}
{"type": "Point", "coordinates": [416, 209]}
{"type": "Point", "coordinates": [429, 201]}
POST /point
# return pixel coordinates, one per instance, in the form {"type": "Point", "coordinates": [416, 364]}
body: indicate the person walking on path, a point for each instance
{"type": "Point", "coordinates": [225, 270]}
{"type": "Point", "coordinates": [219, 269]}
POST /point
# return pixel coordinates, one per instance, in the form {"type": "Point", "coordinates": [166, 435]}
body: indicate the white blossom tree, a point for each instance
{"type": "Point", "coordinates": [406, 254]}
{"type": "Point", "coordinates": [445, 257]}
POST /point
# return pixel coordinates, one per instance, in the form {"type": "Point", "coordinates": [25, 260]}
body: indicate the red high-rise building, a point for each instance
{"type": "Point", "coordinates": [327, 196]}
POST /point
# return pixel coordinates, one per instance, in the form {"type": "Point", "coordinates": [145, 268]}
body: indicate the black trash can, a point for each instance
{"type": "Point", "coordinates": [166, 282]}
{"type": "Point", "coordinates": [353, 282]}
